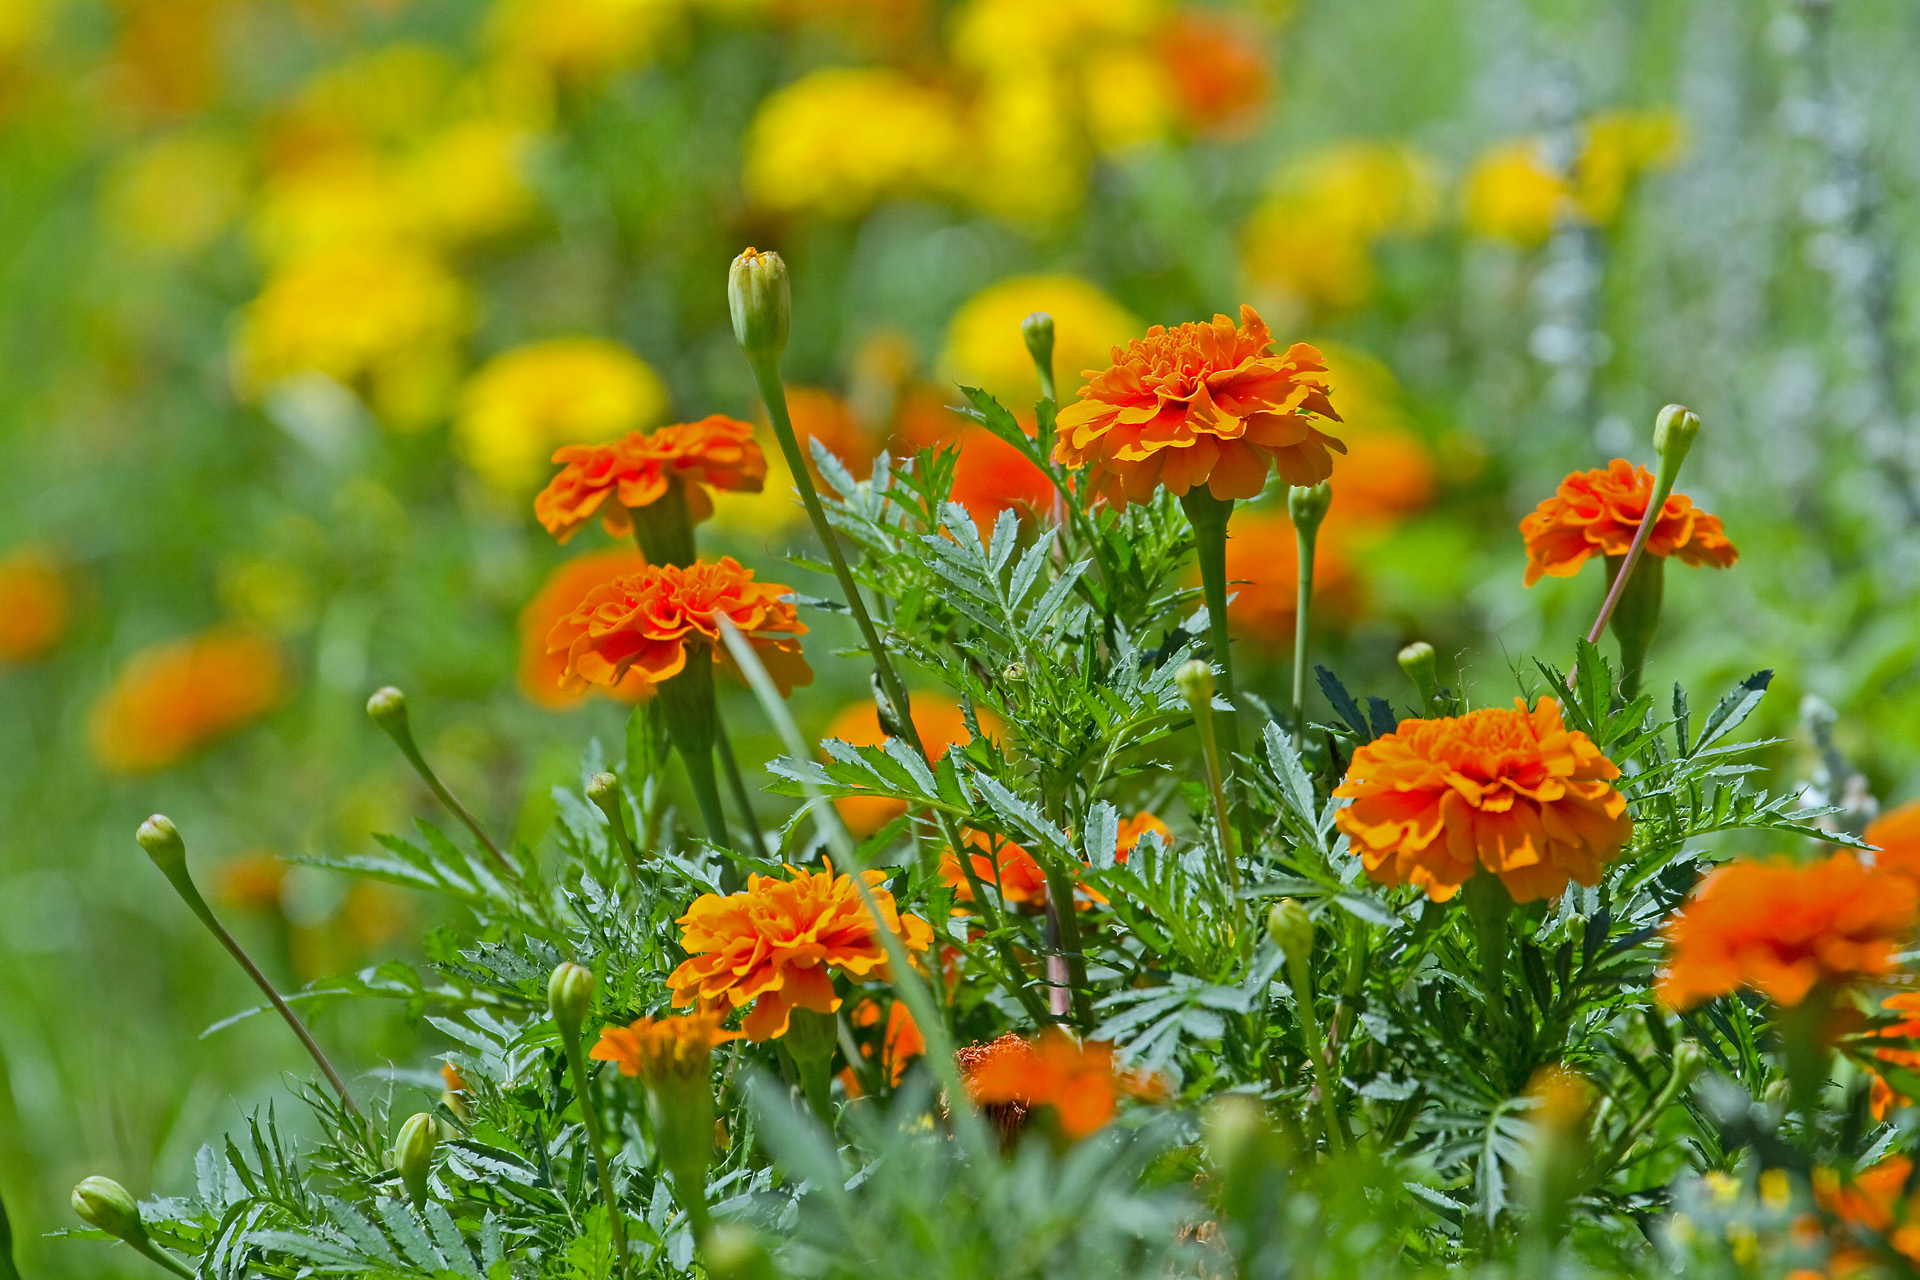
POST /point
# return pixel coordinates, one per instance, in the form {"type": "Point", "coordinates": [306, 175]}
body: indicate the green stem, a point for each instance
{"type": "Point", "coordinates": [1489, 903]}
{"type": "Point", "coordinates": [154, 1253]}
{"type": "Point", "coordinates": [1216, 786]}
{"type": "Point", "coordinates": [687, 706]}
{"type": "Point", "coordinates": [576, 1060]}
{"type": "Point", "coordinates": [1301, 976]}
{"type": "Point", "coordinates": [1635, 619]}
{"type": "Point", "coordinates": [1307, 538]}
{"type": "Point", "coordinates": [403, 738]}
{"type": "Point", "coordinates": [742, 799]}
{"type": "Point", "coordinates": [1208, 515]}
{"type": "Point", "coordinates": [1063, 924]}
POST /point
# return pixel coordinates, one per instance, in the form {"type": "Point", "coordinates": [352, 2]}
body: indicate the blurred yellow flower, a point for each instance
{"type": "Point", "coordinates": [525, 403]}
{"type": "Point", "coordinates": [35, 604]}
{"type": "Point", "coordinates": [1131, 97]}
{"type": "Point", "coordinates": [468, 182]}
{"type": "Point", "coordinates": [1028, 158]}
{"type": "Point", "coordinates": [340, 196]}
{"type": "Point", "coordinates": [382, 318]}
{"type": "Point", "coordinates": [1312, 239]}
{"type": "Point", "coordinates": [385, 94]}
{"type": "Point", "coordinates": [176, 194]}
{"type": "Point", "coordinates": [839, 139]}
{"type": "Point", "coordinates": [1514, 193]}
{"type": "Point", "coordinates": [984, 347]}
{"type": "Point", "coordinates": [579, 40]}
{"type": "Point", "coordinates": [1012, 35]}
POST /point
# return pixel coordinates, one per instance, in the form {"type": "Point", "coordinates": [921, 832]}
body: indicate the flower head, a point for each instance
{"type": "Point", "coordinates": [612, 479]}
{"type": "Point", "coordinates": [838, 139]}
{"type": "Point", "coordinates": [1897, 833]}
{"type": "Point", "coordinates": [654, 621]}
{"type": "Point", "coordinates": [1200, 404]}
{"type": "Point", "coordinates": [1907, 1006]}
{"type": "Point", "coordinates": [664, 1048]}
{"type": "Point", "coordinates": [525, 402]}
{"type": "Point", "coordinates": [1596, 513]}
{"type": "Point", "coordinates": [540, 671]}
{"type": "Point", "coordinates": [34, 605]}
{"type": "Point", "coordinates": [900, 1043]}
{"type": "Point", "coordinates": [1079, 1082]}
{"type": "Point", "coordinates": [175, 697]}
{"type": "Point", "coordinates": [1515, 792]}
{"type": "Point", "coordinates": [1783, 928]}
{"type": "Point", "coordinates": [772, 945]}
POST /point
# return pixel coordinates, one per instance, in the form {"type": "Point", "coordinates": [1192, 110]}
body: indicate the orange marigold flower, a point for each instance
{"type": "Point", "coordinates": [1875, 1198]}
{"type": "Point", "coordinates": [539, 671]}
{"type": "Point", "coordinates": [34, 605]}
{"type": "Point", "coordinates": [900, 1044]}
{"type": "Point", "coordinates": [611, 479]}
{"type": "Point", "coordinates": [253, 881]}
{"type": "Point", "coordinates": [1218, 67]}
{"type": "Point", "coordinates": [1134, 828]}
{"type": "Point", "coordinates": [1897, 833]}
{"type": "Point", "coordinates": [175, 697]}
{"type": "Point", "coordinates": [451, 1077]}
{"type": "Point", "coordinates": [1596, 513]}
{"type": "Point", "coordinates": [992, 476]}
{"type": "Point", "coordinates": [1001, 864]}
{"type": "Point", "coordinates": [1783, 929]}
{"type": "Point", "coordinates": [772, 945]}
{"type": "Point", "coordinates": [656, 1049]}
{"type": "Point", "coordinates": [1514, 791]}
{"type": "Point", "coordinates": [652, 622]}
{"type": "Point", "coordinates": [1079, 1082]}
{"type": "Point", "coordinates": [940, 725]}
{"type": "Point", "coordinates": [1883, 1097]}
{"type": "Point", "coordinates": [1201, 404]}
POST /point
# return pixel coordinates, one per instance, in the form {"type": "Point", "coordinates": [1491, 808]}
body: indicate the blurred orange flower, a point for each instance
{"type": "Point", "coordinates": [1136, 828]}
{"type": "Point", "coordinates": [940, 725]}
{"type": "Point", "coordinates": [1001, 864]}
{"type": "Point", "coordinates": [661, 1048]}
{"type": "Point", "coordinates": [1596, 512]}
{"type": "Point", "coordinates": [900, 1044]}
{"type": "Point", "coordinates": [992, 476]}
{"type": "Point", "coordinates": [1783, 928]}
{"type": "Point", "coordinates": [1200, 404]}
{"type": "Point", "coordinates": [1877, 1199]}
{"type": "Point", "coordinates": [539, 671]}
{"type": "Point", "coordinates": [252, 881]}
{"type": "Point", "coordinates": [1907, 1004]}
{"type": "Point", "coordinates": [174, 697]}
{"type": "Point", "coordinates": [34, 605]}
{"type": "Point", "coordinates": [1218, 68]}
{"type": "Point", "coordinates": [1079, 1082]}
{"type": "Point", "coordinates": [1897, 832]}
{"type": "Point", "coordinates": [612, 479]}
{"type": "Point", "coordinates": [1513, 791]}
{"type": "Point", "coordinates": [648, 622]}
{"type": "Point", "coordinates": [772, 945]}
{"type": "Point", "coordinates": [820, 415]}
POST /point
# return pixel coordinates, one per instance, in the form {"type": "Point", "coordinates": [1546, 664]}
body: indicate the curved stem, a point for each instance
{"type": "Point", "coordinates": [154, 1253]}
{"type": "Point", "coordinates": [403, 738]}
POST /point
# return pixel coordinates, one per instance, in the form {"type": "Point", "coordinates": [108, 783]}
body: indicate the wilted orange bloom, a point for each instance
{"type": "Point", "coordinates": [656, 1049]}
{"type": "Point", "coordinates": [1263, 577]}
{"type": "Point", "coordinates": [1783, 928]}
{"type": "Point", "coordinates": [1216, 64]}
{"type": "Point", "coordinates": [1513, 791]}
{"type": "Point", "coordinates": [1200, 404]}
{"type": "Point", "coordinates": [540, 671]}
{"type": "Point", "coordinates": [34, 605]}
{"type": "Point", "coordinates": [1596, 513]}
{"type": "Point", "coordinates": [1876, 1199]}
{"type": "Point", "coordinates": [1897, 832]}
{"type": "Point", "coordinates": [900, 1044]}
{"type": "Point", "coordinates": [175, 697]}
{"type": "Point", "coordinates": [772, 945]}
{"type": "Point", "coordinates": [651, 623]}
{"type": "Point", "coordinates": [940, 725]}
{"type": "Point", "coordinates": [1080, 1082]}
{"type": "Point", "coordinates": [611, 479]}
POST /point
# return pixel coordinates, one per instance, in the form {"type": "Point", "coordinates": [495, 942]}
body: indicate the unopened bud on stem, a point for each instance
{"type": "Point", "coordinates": [105, 1205]}
{"type": "Point", "coordinates": [1037, 329]}
{"type": "Point", "coordinates": [1195, 679]}
{"type": "Point", "coordinates": [761, 300]}
{"type": "Point", "coordinates": [1673, 434]}
{"type": "Point", "coordinates": [1308, 503]}
{"type": "Point", "coordinates": [161, 839]}
{"type": "Point", "coordinates": [570, 996]}
{"type": "Point", "coordinates": [1292, 929]}
{"type": "Point", "coordinates": [388, 709]}
{"type": "Point", "coordinates": [413, 1154]}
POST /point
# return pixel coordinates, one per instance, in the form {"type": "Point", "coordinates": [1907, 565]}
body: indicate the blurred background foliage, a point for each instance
{"type": "Point", "coordinates": [296, 297]}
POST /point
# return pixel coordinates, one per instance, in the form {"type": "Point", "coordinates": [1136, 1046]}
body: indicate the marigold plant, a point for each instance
{"type": "Point", "coordinates": [1079, 1083]}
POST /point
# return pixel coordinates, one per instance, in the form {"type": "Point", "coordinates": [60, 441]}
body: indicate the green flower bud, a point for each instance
{"type": "Point", "coordinates": [413, 1154]}
{"type": "Point", "coordinates": [1308, 503]}
{"type": "Point", "coordinates": [1292, 929]}
{"type": "Point", "coordinates": [161, 839]}
{"type": "Point", "coordinates": [603, 789]}
{"type": "Point", "coordinates": [1417, 661]}
{"type": "Point", "coordinates": [1037, 329]}
{"type": "Point", "coordinates": [734, 1251]}
{"type": "Point", "coordinates": [570, 996]}
{"type": "Point", "coordinates": [388, 709]}
{"type": "Point", "coordinates": [761, 300]}
{"type": "Point", "coordinates": [1195, 680]}
{"type": "Point", "coordinates": [1230, 1127]}
{"type": "Point", "coordinates": [106, 1206]}
{"type": "Point", "coordinates": [1673, 433]}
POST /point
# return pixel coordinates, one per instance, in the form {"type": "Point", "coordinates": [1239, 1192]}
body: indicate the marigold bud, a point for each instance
{"type": "Point", "coordinates": [1037, 329]}
{"type": "Point", "coordinates": [570, 996]}
{"type": "Point", "coordinates": [1308, 503]}
{"type": "Point", "coordinates": [603, 788]}
{"type": "Point", "coordinates": [1417, 661]}
{"type": "Point", "coordinates": [161, 839]}
{"type": "Point", "coordinates": [1195, 679]}
{"type": "Point", "coordinates": [1292, 929]}
{"type": "Point", "coordinates": [1673, 433]}
{"type": "Point", "coordinates": [388, 709]}
{"type": "Point", "coordinates": [761, 300]}
{"type": "Point", "coordinates": [413, 1154]}
{"type": "Point", "coordinates": [107, 1206]}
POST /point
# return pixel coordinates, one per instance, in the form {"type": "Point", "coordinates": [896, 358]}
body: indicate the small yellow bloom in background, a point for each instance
{"type": "Point", "coordinates": [1515, 193]}
{"type": "Point", "coordinates": [1312, 239]}
{"type": "Point", "coordinates": [984, 347]}
{"type": "Point", "coordinates": [380, 318]}
{"type": "Point", "coordinates": [176, 194]}
{"type": "Point", "coordinates": [35, 605]}
{"type": "Point", "coordinates": [579, 41]}
{"type": "Point", "coordinates": [468, 182]}
{"type": "Point", "coordinates": [1013, 36]}
{"type": "Point", "coordinates": [172, 698]}
{"type": "Point", "coordinates": [1028, 159]}
{"type": "Point", "coordinates": [385, 94]}
{"type": "Point", "coordinates": [1131, 98]}
{"type": "Point", "coordinates": [337, 197]}
{"type": "Point", "coordinates": [837, 140]}
{"type": "Point", "coordinates": [523, 404]}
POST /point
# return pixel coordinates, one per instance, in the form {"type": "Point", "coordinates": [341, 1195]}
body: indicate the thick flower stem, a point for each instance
{"type": "Point", "coordinates": [576, 1060]}
{"type": "Point", "coordinates": [1208, 515]}
{"type": "Point", "coordinates": [1200, 699]}
{"type": "Point", "coordinates": [1063, 931]}
{"type": "Point", "coordinates": [1489, 903]}
{"type": "Point", "coordinates": [155, 1254]}
{"type": "Point", "coordinates": [1307, 539]}
{"type": "Point", "coordinates": [1636, 618]}
{"type": "Point", "coordinates": [687, 706]}
{"type": "Point", "coordinates": [1300, 975]}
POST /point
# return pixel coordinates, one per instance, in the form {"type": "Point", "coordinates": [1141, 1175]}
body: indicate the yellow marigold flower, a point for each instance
{"type": "Point", "coordinates": [660, 1049]}
{"type": "Point", "coordinates": [468, 182]}
{"type": "Point", "coordinates": [175, 697]}
{"type": "Point", "coordinates": [579, 40]}
{"type": "Point", "coordinates": [1312, 239]}
{"type": "Point", "coordinates": [176, 194]}
{"type": "Point", "coordinates": [524, 403]}
{"type": "Point", "coordinates": [984, 347]}
{"type": "Point", "coordinates": [1131, 98]}
{"type": "Point", "coordinates": [1028, 160]}
{"type": "Point", "coordinates": [1515, 792]}
{"type": "Point", "coordinates": [382, 318]}
{"type": "Point", "coordinates": [385, 94]}
{"type": "Point", "coordinates": [1513, 193]}
{"type": "Point", "coordinates": [839, 139]}
{"type": "Point", "coordinates": [335, 196]}
{"type": "Point", "coordinates": [1015, 35]}
{"type": "Point", "coordinates": [35, 605]}
{"type": "Point", "coordinates": [772, 946]}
